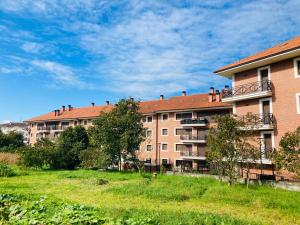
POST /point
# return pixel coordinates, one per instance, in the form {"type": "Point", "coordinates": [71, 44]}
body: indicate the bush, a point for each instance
{"type": "Point", "coordinates": [11, 141]}
{"type": "Point", "coordinates": [6, 170]}
{"type": "Point", "coordinates": [93, 158]}
{"type": "Point", "coordinates": [9, 158]}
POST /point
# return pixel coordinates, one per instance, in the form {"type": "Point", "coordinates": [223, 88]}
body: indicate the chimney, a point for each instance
{"type": "Point", "coordinates": [63, 108]}
{"type": "Point", "coordinates": [183, 93]}
{"type": "Point", "coordinates": [69, 107]}
{"type": "Point", "coordinates": [210, 97]}
{"type": "Point", "coordinates": [132, 99]}
{"type": "Point", "coordinates": [212, 90]}
{"type": "Point", "coordinates": [57, 112]}
{"type": "Point", "coordinates": [218, 96]}
{"type": "Point", "coordinates": [107, 102]}
{"type": "Point", "coordinates": [93, 104]}
{"type": "Point", "coordinates": [161, 97]}
{"type": "Point", "coordinates": [54, 112]}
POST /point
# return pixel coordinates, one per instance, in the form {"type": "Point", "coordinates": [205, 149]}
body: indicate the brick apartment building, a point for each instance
{"type": "Point", "coordinates": [176, 133]}
{"type": "Point", "coordinates": [267, 84]}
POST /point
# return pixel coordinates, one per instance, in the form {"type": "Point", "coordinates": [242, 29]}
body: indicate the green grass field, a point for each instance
{"type": "Point", "coordinates": [167, 199]}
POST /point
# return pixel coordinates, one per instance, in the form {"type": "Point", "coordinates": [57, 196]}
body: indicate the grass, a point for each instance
{"type": "Point", "coordinates": [167, 199]}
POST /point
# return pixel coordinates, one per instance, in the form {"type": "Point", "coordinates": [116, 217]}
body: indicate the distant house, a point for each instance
{"type": "Point", "coordinates": [17, 127]}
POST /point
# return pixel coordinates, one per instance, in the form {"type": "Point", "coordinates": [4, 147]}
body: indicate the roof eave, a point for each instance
{"type": "Point", "coordinates": [229, 72]}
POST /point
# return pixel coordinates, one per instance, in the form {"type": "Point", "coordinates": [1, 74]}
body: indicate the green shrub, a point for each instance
{"type": "Point", "coordinates": [93, 158]}
{"type": "Point", "coordinates": [101, 181]}
{"type": "Point", "coordinates": [6, 170]}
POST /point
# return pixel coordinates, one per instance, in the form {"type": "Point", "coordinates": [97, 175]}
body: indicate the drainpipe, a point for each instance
{"type": "Point", "coordinates": [156, 141]}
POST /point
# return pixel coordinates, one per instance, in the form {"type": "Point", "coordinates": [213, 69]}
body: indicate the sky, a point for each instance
{"type": "Point", "coordinates": [61, 52]}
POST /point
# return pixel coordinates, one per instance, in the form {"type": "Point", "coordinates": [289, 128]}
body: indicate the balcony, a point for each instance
{"type": "Point", "coordinates": [265, 121]}
{"type": "Point", "coordinates": [192, 155]}
{"type": "Point", "coordinates": [187, 139]}
{"type": "Point", "coordinates": [51, 128]}
{"type": "Point", "coordinates": [252, 90]}
{"type": "Point", "coordinates": [197, 122]}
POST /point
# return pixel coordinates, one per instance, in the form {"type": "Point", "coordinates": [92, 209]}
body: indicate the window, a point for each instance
{"type": "Point", "coordinates": [144, 119]}
{"type": "Point", "coordinates": [182, 147]}
{"type": "Point", "coordinates": [85, 122]}
{"type": "Point", "coordinates": [181, 116]}
{"type": "Point", "coordinates": [297, 67]}
{"type": "Point", "coordinates": [75, 123]}
{"type": "Point", "coordinates": [178, 163]}
{"type": "Point", "coordinates": [298, 102]}
{"type": "Point", "coordinates": [164, 161]}
{"type": "Point", "coordinates": [164, 147]}
{"type": "Point", "coordinates": [148, 160]}
{"type": "Point", "coordinates": [148, 133]}
{"type": "Point", "coordinates": [180, 131]}
{"type": "Point", "coordinates": [164, 132]}
{"type": "Point", "coordinates": [149, 148]}
{"type": "Point", "coordinates": [149, 119]}
{"type": "Point", "coordinates": [165, 116]}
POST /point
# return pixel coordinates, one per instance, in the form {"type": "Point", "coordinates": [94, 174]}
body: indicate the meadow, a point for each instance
{"type": "Point", "coordinates": [166, 199]}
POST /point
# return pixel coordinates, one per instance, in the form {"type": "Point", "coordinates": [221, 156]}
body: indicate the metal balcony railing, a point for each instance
{"type": "Point", "coordinates": [259, 119]}
{"type": "Point", "coordinates": [193, 138]}
{"type": "Point", "coordinates": [259, 86]}
{"type": "Point", "coordinates": [267, 152]}
{"type": "Point", "coordinates": [52, 127]}
{"type": "Point", "coordinates": [201, 121]}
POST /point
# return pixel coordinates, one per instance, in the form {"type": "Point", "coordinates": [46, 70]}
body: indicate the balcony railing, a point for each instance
{"type": "Point", "coordinates": [197, 121]}
{"type": "Point", "coordinates": [258, 119]}
{"type": "Point", "coordinates": [191, 153]}
{"type": "Point", "coordinates": [267, 152]}
{"type": "Point", "coordinates": [250, 88]}
{"type": "Point", "coordinates": [193, 138]}
{"type": "Point", "coordinates": [51, 128]}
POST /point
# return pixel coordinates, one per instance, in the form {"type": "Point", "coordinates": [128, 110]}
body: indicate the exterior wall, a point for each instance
{"type": "Point", "coordinates": [245, 77]}
{"type": "Point", "coordinates": [243, 107]}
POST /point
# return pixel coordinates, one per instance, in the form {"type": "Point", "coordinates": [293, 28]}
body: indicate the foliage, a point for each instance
{"type": "Point", "coordinates": [38, 156]}
{"type": "Point", "coordinates": [93, 158]}
{"type": "Point", "coordinates": [9, 158]}
{"type": "Point", "coordinates": [289, 155]}
{"type": "Point", "coordinates": [119, 132]}
{"type": "Point", "coordinates": [6, 170]}
{"type": "Point", "coordinates": [69, 145]}
{"type": "Point", "coordinates": [11, 141]}
{"type": "Point", "coordinates": [231, 147]}
{"type": "Point", "coordinates": [17, 210]}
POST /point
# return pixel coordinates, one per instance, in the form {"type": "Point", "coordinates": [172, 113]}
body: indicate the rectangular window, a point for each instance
{"type": "Point", "coordinates": [297, 67]}
{"type": "Point", "coordinates": [148, 160]}
{"type": "Point", "coordinates": [149, 133]}
{"type": "Point", "coordinates": [85, 122]}
{"type": "Point", "coordinates": [298, 102]}
{"type": "Point", "coordinates": [164, 132]}
{"type": "Point", "coordinates": [164, 161]}
{"type": "Point", "coordinates": [182, 147]}
{"type": "Point", "coordinates": [75, 123]}
{"type": "Point", "coordinates": [181, 131]}
{"type": "Point", "coordinates": [164, 147]}
{"type": "Point", "coordinates": [165, 116]}
{"type": "Point", "coordinates": [144, 119]}
{"type": "Point", "coordinates": [181, 116]}
{"type": "Point", "coordinates": [178, 163]}
{"type": "Point", "coordinates": [149, 119]}
{"type": "Point", "coordinates": [149, 148]}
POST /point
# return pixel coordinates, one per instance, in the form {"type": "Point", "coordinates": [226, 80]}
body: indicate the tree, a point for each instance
{"type": "Point", "coordinates": [289, 155]}
{"type": "Point", "coordinates": [231, 147]}
{"type": "Point", "coordinates": [69, 145]}
{"type": "Point", "coordinates": [11, 141]}
{"type": "Point", "coordinates": [93, 158]}
{"type": "Point", "coordinates": [120, 131]}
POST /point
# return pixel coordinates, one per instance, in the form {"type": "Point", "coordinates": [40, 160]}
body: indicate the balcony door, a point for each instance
{"type": "Point", "coordinates": [264, 77]}
{"type": "Point", "coordinates": [267, 144]}
{"type": "Point", "coordinates": [266, 110]}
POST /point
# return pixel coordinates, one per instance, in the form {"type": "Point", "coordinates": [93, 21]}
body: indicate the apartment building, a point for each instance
{"type": "Point", "coordinates": [267, 84]}
{"type": "Point", "coordinates": [176, 134]}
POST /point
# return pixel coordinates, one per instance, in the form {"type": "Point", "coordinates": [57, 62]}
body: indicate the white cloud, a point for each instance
{"type": "Point", "coordinates": [32, 47]}
{"type": "Point", "coordinates": [60, 73]}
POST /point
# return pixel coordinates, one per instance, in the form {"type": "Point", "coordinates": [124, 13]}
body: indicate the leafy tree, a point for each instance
{"type": "Point", "coordinates": [40, 155]}
{"type": "Point", "coordinates": [231, 147]}
{"type": "Point", "coordinates": [69, 145]}
{"type": "Point", "coordinates": [11, 141]}
{"type": "Point", "coordinates": [93, 158]}
{"type": "Point", "coordinates": [289, 155]}
{"type": "Point", "coordinates": [119, 132]}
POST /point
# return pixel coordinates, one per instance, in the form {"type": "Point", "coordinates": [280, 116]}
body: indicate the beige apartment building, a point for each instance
{"type": "Point", "coordinates": [176, 134]}
{"type": "Point", "coordinates": [267, 84]}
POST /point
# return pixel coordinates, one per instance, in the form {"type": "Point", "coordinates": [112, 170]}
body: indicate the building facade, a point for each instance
{"type": "Point", "coordinates": [16, 127]}
{"type": "Point", "coordinates": [176, 128]}
{"type": "Point", "coordinates": [267, 84]}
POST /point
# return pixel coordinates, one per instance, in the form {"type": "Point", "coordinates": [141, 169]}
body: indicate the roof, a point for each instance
{"type": "Point", "coordinates": [284, 47]}
{"type": "Point", "coordinates": [197, 101]}
{"type": "Point", "coordinates": [75, 113]}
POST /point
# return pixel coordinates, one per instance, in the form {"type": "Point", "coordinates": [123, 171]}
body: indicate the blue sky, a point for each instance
{"type": "Point", "coordinates": [61, 52]}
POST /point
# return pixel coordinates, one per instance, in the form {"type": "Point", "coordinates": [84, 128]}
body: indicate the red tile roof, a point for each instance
{"type": "Point", "coordinates": [175, 103]}
{"type": "Point", "coordinates": [277, 49]}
